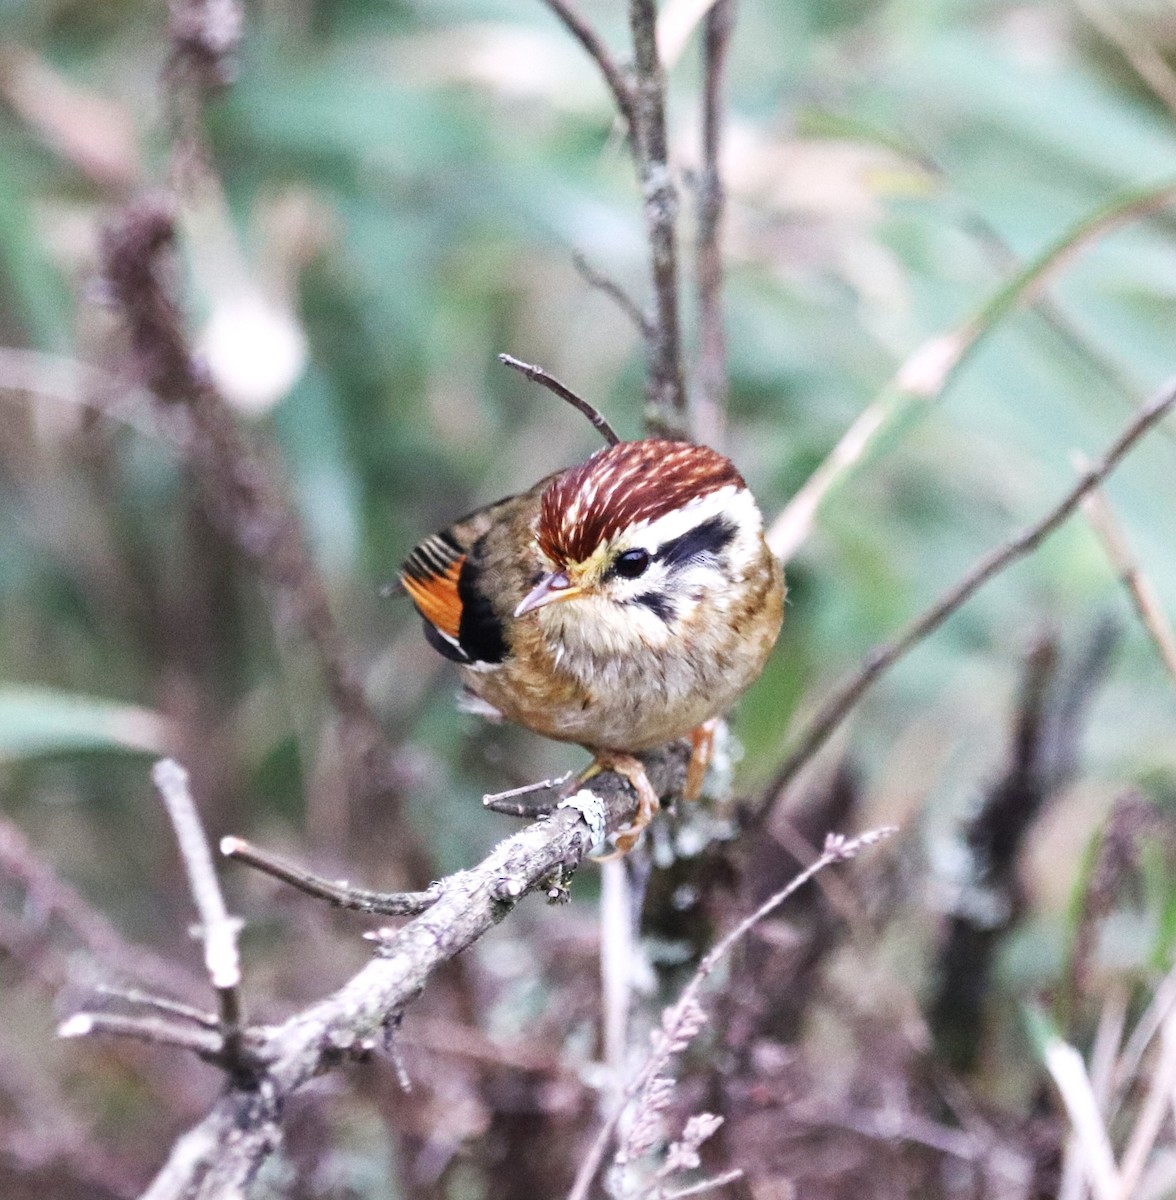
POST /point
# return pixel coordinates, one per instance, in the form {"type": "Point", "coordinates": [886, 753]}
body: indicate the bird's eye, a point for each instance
{"type": "Point", "coordinates": [632, 563]}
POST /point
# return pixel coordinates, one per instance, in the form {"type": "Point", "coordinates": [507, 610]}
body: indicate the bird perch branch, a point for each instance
{"type": "Point", "coordinates": [222, 1154]}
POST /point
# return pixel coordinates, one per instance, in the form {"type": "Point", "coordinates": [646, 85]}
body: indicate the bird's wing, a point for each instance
{"type": "Point", "coordinates": [430, 576]}
{"type": "Point", "coordinates": [440, 580]}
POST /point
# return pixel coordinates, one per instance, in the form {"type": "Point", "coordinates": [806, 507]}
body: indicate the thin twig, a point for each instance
{"type": "Point", "coordinates": [830, 715]}
{"type": "Point", "coordinates": [705, 1185]}
{"type": "Point", "coordinates": [622, 92]}
{"type": "Point", "coordinates": [498, 801]}
{"type": "Point", "coordinates": [207, 1043]}
{"type": "Point", "coordinates": [539, 375]}
{"type": "Point", "coordinates": [217, 929]}
{"type": "Point", "coordinates": [1105, 524]}
{"type": "Point", "coordinates": [340, 894]}
{"type": "Point", "coordinates": [684, 1012]}
{"type": "Point", "coordinates": [710, 405]}
{"type": "Point", "coordinates": [616, 293]}
{"type": "Point", "coordinates": [162, 1004]}
{"type": "Point", "coordinates": [665, 390]}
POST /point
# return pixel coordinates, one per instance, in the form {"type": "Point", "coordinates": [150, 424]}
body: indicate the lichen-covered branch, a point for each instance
{"type": "Point", "coordinates": [218, 1157]}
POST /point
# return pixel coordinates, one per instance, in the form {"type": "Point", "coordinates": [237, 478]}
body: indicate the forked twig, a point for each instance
{"type": "Point", "coordinates": [830, 715]}
{"type": "Point", "coordinates": [575, 24]}
{"type": "Point", "coordinates": [539, 375]}
{"type": "Point", "coordinates": [340, 894]}
{"type": "Point", "coordinates": [160, 1004]}
{"type": "Point", "coordinates": [174, 1023]}
{"type": "Point", "coordinates": [242, 1129]}
{"type": "Point", "coordinates": [614, 292]}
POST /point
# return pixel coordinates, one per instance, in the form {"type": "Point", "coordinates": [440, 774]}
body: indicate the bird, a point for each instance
{"type": "Point", "coordinates": [619, 604]}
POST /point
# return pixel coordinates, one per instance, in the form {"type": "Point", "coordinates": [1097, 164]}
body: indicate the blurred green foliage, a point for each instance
{"type": "Point", "coordinates": [404, 186]}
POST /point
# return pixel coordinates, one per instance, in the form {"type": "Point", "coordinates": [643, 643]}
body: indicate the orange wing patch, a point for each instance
{"type": "Point", "coordinates": [435, 594]}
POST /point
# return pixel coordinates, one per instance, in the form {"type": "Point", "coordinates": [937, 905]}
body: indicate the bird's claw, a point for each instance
{"type": "Point", "coordinates": [633, 769]}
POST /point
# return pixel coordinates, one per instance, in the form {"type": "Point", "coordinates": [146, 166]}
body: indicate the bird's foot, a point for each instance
{"type": "Point", "coordinates": [633, 769]}
{"type": "Point", "coordinates": [702, 748]}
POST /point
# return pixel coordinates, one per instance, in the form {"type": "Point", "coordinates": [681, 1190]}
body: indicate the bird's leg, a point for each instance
{"type": "Point", "coordinates": [633, 769]}
{"type": "Point", "coordinates": [702, 748]}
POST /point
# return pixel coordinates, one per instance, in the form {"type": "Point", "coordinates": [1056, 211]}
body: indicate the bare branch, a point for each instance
{"type": "Point", "coordinates": [665, 390]}
{"type": "Point", "coordinates": [206, 1043]}
{"type": "Point", "coordinates": [705, 1185]}
{"type": "Point", "coordinates": [711, 399]}
{"type": "Point", "coordinates": [162, 1004]}
{"type": "Point", "coordinates": [217, 929]}
{"type": "Point", "coordinates": [499, 802]}
{"type": "Point", "coordinates": [616, 293]}
{"type": "Point", "coordinates": [240, 492]}
{"type": "Point", "coordinates": [539, 375]}
{"type": "Point", "coordinates": [340, 893]}
{"type": "Point", "coordinates": [835, 709]}
{"type": "Point", "coordinates": [225, 1151]}
{"type": "Point", "coordinates": [622, 92]}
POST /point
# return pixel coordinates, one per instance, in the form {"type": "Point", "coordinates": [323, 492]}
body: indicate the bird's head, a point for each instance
{"type": "Point", "coordinates": [632, 540]}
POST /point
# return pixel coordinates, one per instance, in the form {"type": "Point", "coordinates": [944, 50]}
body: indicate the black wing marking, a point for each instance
{"type": "Point", "coordinates": [481, 635]}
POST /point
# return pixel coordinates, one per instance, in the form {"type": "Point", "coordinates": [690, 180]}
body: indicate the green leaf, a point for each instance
{"type": "Point", "coordinates": [35, 721]}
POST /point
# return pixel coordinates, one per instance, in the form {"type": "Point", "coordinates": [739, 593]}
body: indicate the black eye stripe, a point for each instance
{"type": "Point", "coordinates": [709, 538]}
{"type": "Point", "coordinates": [658, 603]}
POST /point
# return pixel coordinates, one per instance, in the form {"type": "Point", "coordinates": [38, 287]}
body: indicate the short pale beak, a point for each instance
{"type": "Point", "coordinates": [549, 589]}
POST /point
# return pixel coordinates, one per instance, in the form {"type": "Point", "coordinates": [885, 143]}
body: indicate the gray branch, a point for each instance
{"type": "Point", "coordinates": [665, 389]}
{"type": "Point", "coordinates": [220, 1156]}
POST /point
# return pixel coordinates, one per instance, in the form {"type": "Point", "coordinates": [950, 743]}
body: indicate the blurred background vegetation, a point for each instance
{"type": "Point", "coordinates": [401, 191]}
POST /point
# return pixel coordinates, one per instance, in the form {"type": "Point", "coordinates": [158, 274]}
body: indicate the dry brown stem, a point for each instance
{"type": "Point", "coordinates": [239, 489]}
{"type": "Point", "coordinates": [665, 390]}
{"type": "Point", "coordinates": [879, 660]}
{"type": "Point", "coordinates": [536, 374]}
{"type": "Point", "coordinates": [711, 381]}
{"type": "Point", "coordinates": [338, 893]}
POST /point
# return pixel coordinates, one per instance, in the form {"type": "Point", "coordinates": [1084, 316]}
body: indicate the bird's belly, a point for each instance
{"type": "Point", "coordinates": [624, 703]}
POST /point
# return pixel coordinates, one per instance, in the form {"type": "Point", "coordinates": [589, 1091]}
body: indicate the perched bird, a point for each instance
{"type": "Point", "coordinates": [619, 604]}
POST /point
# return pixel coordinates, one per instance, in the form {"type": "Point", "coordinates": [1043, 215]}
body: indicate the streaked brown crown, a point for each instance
{"type": "Point", "coordinates": [621, 485]}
